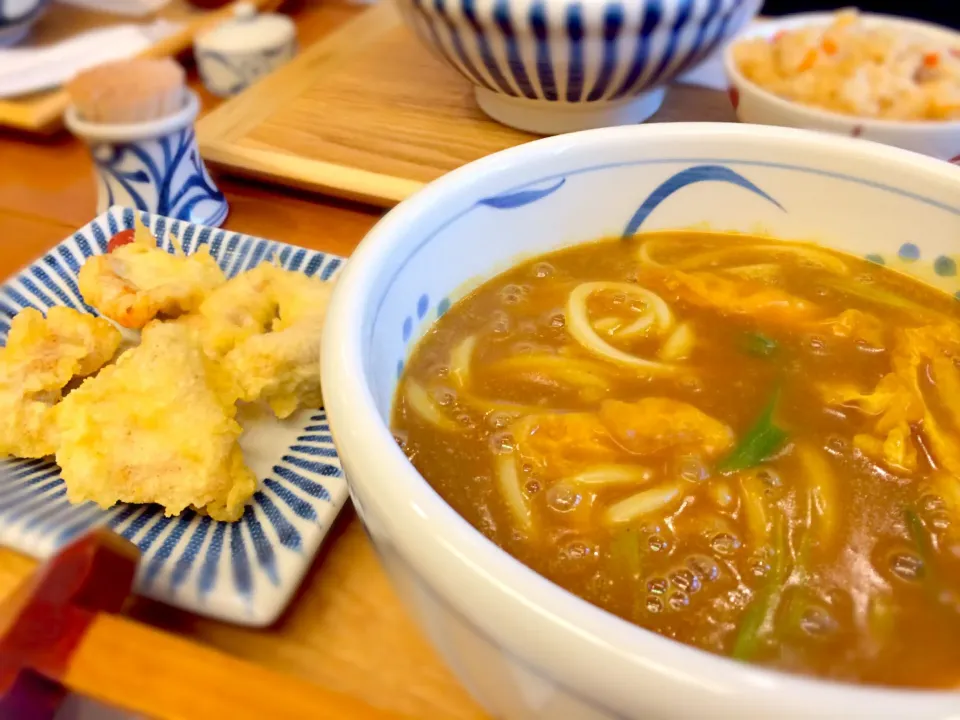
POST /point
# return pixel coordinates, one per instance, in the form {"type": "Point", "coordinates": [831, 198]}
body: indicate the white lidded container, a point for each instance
{"type": "Point", "coordinates": [241, 50]}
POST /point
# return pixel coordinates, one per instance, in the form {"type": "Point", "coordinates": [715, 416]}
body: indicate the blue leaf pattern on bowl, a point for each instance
{"type": "Point", "coordinates": [695, 174]}
{"type": "Point", "coordinates": [508, 201]}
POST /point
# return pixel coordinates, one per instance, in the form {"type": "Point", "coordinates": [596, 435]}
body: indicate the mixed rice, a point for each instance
{"type": "Point", "coordinates": [855, 68]}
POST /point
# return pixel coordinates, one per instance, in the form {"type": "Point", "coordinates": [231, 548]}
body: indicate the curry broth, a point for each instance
{"type": "Point", "coordinates": [852, 570]}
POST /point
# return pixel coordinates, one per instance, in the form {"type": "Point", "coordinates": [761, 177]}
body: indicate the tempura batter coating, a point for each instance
{"type": "Point", "coordinates": [42, 355]}
{"type": "Point", "coordinates": [267, 323]}
{"type": "Point", "coordinates": [157, 427]}
{"type": "Point", "coordinates": [137, 282]}
{"type": "Point", "coordinates": [244, 306]}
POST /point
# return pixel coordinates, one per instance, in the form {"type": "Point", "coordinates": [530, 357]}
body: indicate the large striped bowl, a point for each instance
{"type": "Point", "coordinates": [553, 66]}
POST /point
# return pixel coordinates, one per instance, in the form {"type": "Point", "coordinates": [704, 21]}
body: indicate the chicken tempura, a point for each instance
{"type": "Point", "coordinates": [266, 324]}
{"type": "Point", "coordinates": [138, 282]}
{"type": "Point", "coordinates": [41, 357]}
{"type": "Point", "coordinates": [157, 427]}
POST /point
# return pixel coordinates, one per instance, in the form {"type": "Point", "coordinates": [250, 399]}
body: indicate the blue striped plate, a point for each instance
{"type": "Point", "coordinates": [243, 572]}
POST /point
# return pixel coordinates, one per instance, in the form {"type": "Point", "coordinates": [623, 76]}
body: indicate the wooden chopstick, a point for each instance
{"type": "Point", "coordinates": [58, 632]}
{"type": "Point", "coordinates": [143, 670]}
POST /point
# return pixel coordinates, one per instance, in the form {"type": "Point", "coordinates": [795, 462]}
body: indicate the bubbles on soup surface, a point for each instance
{"type": "Point", "coordinates": [542, 270]}
{"type": "Point", "coordinates": [931, 503]}
{"type": "Point", "coordinates": [654, 605]}
{"type": "Point", "coordinates": [940, 519]}
{"type": "Point", "coordinates": [817, 621]}
{"type": "Point", "coordinates": [758, 564]}
{"type": "Point", "coordinates": [555, 319]}
{"type": "Point", "coordinates": [578, 551]}
{"type": "Point", "coordinates": [769, 477]}
{"type": "Point", "coordinates": [499, 419]}
{"type": "Point", "coordinates": [562, 497]}
{"type": "Point", "coordinates": [658, 585]}
{"type": "Point", "coordinates": [502, 442]}
{"type": "Point", "coordinates": [906, 565]}
{"type": "Point", "coordinates": [837, 445]}
{"type": "Point", "coordinates": [685, 580]}
{"type": "Point", "coordinates": [816, 344]}
{"type": "Point", "coordinates": [500, 322]}
{"type": "Point", "coordinates": [513, 294]}
{"type": "Point", "coordinates": [725, 543]}
{"type": "Point", "coordinates": [657, 543]}
{"type": "Point", "coordinates": [443, 396]}
{"type": "Point", "coordinates": [705, 567]}
{"type": "Point", "coordinates": [678, 600]}
{"type": "Point", "coordinates": [692, 468]}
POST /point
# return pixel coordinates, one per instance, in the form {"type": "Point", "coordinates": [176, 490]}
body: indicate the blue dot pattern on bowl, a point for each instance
{"type": "Point", "coordinates": [945, 266]}
{"type": "Point", "coordinates": [531, 51]}
{"type": "Point", "coordinates": [909, 252]}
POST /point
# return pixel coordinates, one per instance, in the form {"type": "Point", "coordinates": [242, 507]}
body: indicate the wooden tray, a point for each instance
{"type": "Point", "coordinates": [42, 112]}
{"type": "Point", "coordinates": [367, 113]}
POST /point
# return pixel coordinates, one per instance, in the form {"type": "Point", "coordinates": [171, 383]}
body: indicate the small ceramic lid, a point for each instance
{"type": "Point", "coordinates": [247, 31]}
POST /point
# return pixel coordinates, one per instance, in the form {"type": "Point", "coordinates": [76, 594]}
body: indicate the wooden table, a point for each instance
{"type": "Point", "coordinates": [345, 607]}
{"type": "Point", "coordinates": [345, 628]}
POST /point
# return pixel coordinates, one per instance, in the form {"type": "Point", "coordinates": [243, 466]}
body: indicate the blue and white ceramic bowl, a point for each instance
{"type": "Point", "coordinates": [523, 646]}
{"type": "Point", "coordinates": [17, 17]}
{"type": "Point", "coordinates": [239, 51]}
{"type": "Point", "coordinates": [243, 572]}
{"type": "Point", "coordinates": [554, 66]}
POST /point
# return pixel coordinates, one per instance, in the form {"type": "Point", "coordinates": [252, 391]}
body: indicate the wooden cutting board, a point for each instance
{"type": "Point", "coordinates": [368, 114]}
{"type": "Point", "coordinates": [42, 112]}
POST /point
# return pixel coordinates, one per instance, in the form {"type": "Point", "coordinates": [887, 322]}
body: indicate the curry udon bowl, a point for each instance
{"type": "Point", "coordinates": [522, 646]}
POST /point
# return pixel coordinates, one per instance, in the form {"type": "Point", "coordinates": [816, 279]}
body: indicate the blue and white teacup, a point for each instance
{"type": "Point", "coordinates": [241, 50]}
{"type": "Point", "coordinates": [153, 166]}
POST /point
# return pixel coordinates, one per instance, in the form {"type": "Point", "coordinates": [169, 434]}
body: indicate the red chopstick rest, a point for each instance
{"type": "Point", "coordinates": [44, 622]}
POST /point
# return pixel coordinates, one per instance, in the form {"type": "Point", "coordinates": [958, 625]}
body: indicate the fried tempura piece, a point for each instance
{"type": "Point", "coordinates": [157, 427]}
{"type": "Point", "coordinates": [654, 424]}
{"type": "Point", "coordinates": [42, 355]}
{"type": "Point", "coordinates": [902, 402]}
{"type": "Point", "coordinates": [855, 325]}
{"type": "Point", "coordinates": [564, 443]}
{"type": "Point", "coordinates": [567, 443]}
{"type": "Point", "coordinates": [244, 306]}
{"type": "Point", "coordinates": [139, 281]}
{"type": "Point", "coordinates": [267, 325]}
{"type": "Point", "coordinates": [740, 297]}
